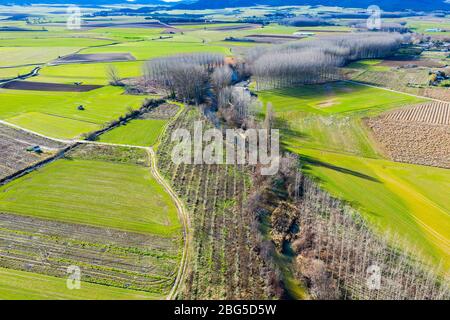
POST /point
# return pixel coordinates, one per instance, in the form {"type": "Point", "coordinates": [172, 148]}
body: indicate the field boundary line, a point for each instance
{"type": "Point", "coordinates": [110, 144]}
{"type": "Point", "coordinates": [166, 126]}
{"type": "Point", "coordinates": [9, 124]}
{"type": "Point", "coordinates": [182, 212]}
{"type": "Point", "coordinates": [184, 217]}
{"type": "Point", "coordinates": [396, 91]}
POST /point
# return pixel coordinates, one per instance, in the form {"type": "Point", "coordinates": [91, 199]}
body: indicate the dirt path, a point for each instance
{"type": "Point", "coordinates": [391, 90]}
{"type": "Point", "coordinates": [184, 217]}
{"type": "Point", "coordinates": [182, 212]}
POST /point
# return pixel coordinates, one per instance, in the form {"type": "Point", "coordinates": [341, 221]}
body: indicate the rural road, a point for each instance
{"type": "Point", "coordinates": [182, 212]}
{"type": "Point", "coordinates": [184, 217]}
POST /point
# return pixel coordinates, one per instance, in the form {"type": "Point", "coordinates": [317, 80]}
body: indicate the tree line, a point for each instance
{"type": "Point", "coordinates": [317, 61]}
{"type": "Point", "coordinates": [337, 254]}
{"type": "Point", "coordinates": [184, 76]}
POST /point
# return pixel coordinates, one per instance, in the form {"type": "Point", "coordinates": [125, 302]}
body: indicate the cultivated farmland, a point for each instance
{"type": "Point", "coordinates": [143, 131]}
{"type": "Point", "coordinates": [418, 134]}
{"type": "Point", "coordinates": [340, 159]}
{"type": "Point", "coordinates": [329, 116]}
{"type": "Point", "coordinates": [14, 144]}
{"type": "Point", "coordinates": [224, 264]}
{"type": "Point", "coordinates": [358, 163]}
{"type": "Point", "coordinates": [90, 192]}
{"type": "Point", "coordinates": [430, 113]}
{"type": "Point", "coordinates": [98, 208]}
{"type": "Point", "coordinates": [55, 113]}
{"type": "Point", "coordinates": [20, 285]}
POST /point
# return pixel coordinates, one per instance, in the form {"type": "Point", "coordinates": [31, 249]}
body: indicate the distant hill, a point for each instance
{"type": "Point", "coordinates": [386, 5]}
{"type": "Point", "coordinates": [82, 2]}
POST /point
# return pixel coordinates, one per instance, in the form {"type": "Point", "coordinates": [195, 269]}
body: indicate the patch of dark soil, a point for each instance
{"type": "Point", "coordinates": [95, 58]}
{"type": "Point", "coordinates": [44, 86]}
{"type": "Point", "coordinates": [394, 62]}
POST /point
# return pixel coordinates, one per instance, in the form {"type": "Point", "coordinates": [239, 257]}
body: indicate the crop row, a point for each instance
{"type": "Point", "coordinates": [430, 113]}
{"type": "Point", "coordinates": [108, 257]}
{"type": "Point", "coordinates": [224, 263]}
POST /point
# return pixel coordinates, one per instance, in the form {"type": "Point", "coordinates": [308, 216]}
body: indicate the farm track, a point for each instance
{"type": "Point", "coordinates": [392, 90]}
{"type": "Point", "coordinates": [183, 214]}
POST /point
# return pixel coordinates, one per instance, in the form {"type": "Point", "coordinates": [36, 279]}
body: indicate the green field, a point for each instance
{"type": "Point", "coordinates": [144, 50]}
{"type": "Point", "coordinates": [55, 113]}
{"type": "Point", "coordinates": [50, 42]}
{"type": "Point", "coordinates": [99, 193]}
{"type": "Point", "coordinates": [19, 285]}
{"type": "Point", "coordinates": [409, 200]}
{"type": "Point", "coordinates": [20, 56]}
{"type": "Point", "coordinates": [139, 132]}
{"type": "Point", "coordinates": [87, 73]}
{"type": "Point", "coordinates": [329, 116]}
{"type": "Point", "coordinates": [421, 26]}
{"type": "Point", "coordinates": [323, 124]}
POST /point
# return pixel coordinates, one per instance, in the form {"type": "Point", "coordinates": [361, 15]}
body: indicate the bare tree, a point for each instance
{"type": "Point", "coordinates": [316, 61]}
{"type": "Point", "coordinates": [221, 77]}
{"type": "Point", "coordinates": [113, 76]}
{"type": "Point", "coordinates": [184, 76]}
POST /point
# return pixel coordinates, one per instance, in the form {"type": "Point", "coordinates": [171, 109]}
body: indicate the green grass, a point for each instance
{"type": "Point", "coordinates": [55, 113]}
{"type": "Point", "coordinates": [21, 285]}
{"type": "Point", "coordinates": [421, 26]}
{"type": "Point", "coordinates": [329, 116]}
{"type": "Point", "coordinates": [47, 42]}
{"type": "Point", "coordinates": [369, 64]}
{"type": "Point", "coordinates": [144, 50]}
{"type": "Point", "coordinates": [51, 125]}
{"type": "Point", "coordinates": [19, 56]}
{"type": "Point", "coordinates": [99, 193]}
{"type": "Point", "coordinates": [336, 98]}
{"type": "Point", "coordinates": [324, 124]}
{"type": "Point", "coordinates": [87, 73]}
{"type": "Point", "coordinates": [140, 132]}
{"type": "Point", "coordinates": [410, 200]}
{"type": "Point", "coordinates": [126, 34]}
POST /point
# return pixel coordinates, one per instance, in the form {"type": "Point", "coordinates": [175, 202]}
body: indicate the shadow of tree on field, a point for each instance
{"type": "Point", "coordinates": [308, 162]}
{"type": "Point", "coordinates": [287, 131]}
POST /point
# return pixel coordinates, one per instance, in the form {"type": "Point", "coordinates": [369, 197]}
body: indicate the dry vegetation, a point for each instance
{"type": "Point", "coordinates": [338, 249]}
{"type": "Point", "coordinates": [226, 261]}
{"type": "Point", "coordinates": [163, 111]}
{"type": "Point", "coordinates": [14, 155]}
{"type": "Point", "coordinates": [430, 113]}
{"type": "Point", "coordinates": [334, 248]}
{"type": "Point", "coordinates": [419, 134]}
{"type": "Point", "coordinates": [316, 61]}
{"type": "Point", "coordinates": [106, 256]}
